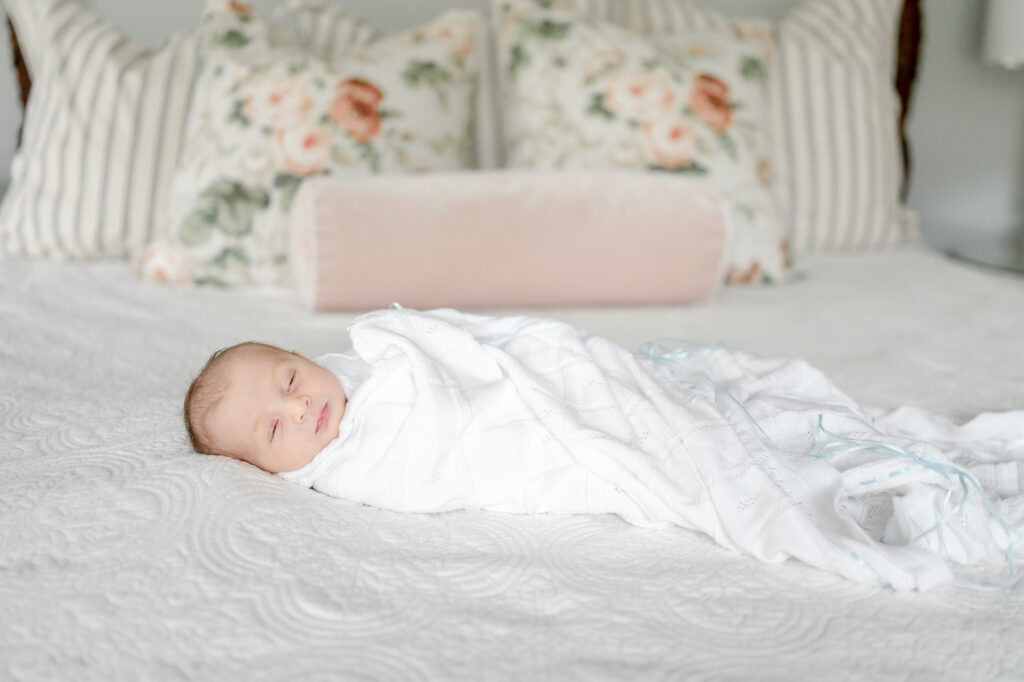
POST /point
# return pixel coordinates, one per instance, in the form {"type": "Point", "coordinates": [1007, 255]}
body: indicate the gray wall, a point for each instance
{"type": "Point", "coordinates": [966, 131]}
{"type": "Point", "coordinates": [966, 127]}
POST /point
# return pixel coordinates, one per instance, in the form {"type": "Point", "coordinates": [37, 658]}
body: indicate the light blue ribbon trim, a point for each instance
{"type": "Point", "coordinates": [658, 353]}
{"type": "Point", "coordinates": [843, 445]}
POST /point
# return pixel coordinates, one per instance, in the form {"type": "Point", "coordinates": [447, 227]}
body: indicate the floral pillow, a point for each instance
{"type": "Point", "coordinates": [584, 94]}
{"type": "Point", "coordinates": [268, 113]}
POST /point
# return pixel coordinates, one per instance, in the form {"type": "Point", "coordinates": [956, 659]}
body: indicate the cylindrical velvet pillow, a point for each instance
{"type": "Point", "coordinates": [505, 239]}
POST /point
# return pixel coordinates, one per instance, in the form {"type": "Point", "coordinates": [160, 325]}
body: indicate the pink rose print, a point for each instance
{"type": "Point", "coordinates": [737, 275]}
{"type": "Point", "coordinates": [456, 32]}
{"type": "Point", "coordinates": [240, 8]}
{"type": "Point", "coordinates": [669, 142]}
{"type": "Point", "coordinates": [163, 264]}
{"type": "Point", "coordinates": [302, 150]}
{"type": "Point", "coordinates": [354, 108]}
{"type": "Point", "coordinates": [709, 99]}
{"type": "Point", "coordinates": [640, 95]}
{"type": "Point", "coordinates": [279, 101]}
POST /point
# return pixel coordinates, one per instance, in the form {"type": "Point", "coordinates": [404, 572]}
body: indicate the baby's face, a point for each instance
{"type": "Point", "coordinates": [279, 409]}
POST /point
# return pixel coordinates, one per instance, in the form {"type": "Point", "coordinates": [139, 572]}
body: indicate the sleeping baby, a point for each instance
{"type": "Point", "coordinates": [442, 410]}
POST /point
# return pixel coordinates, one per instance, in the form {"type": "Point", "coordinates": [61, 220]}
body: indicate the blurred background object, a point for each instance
{"type": "Point", "coordinates": [1002, 45]}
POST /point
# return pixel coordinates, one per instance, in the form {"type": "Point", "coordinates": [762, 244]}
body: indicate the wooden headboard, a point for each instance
{"type": "Point", "coordinates": [24, 82]}
{"type": "Point", "coordinates": [909, 50]}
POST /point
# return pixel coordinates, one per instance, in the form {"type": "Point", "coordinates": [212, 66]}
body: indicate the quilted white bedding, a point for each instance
{"type": "Point", "coordinates": [124, 556]}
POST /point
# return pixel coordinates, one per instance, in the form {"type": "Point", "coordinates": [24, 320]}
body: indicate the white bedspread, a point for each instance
{"type": "Point", "coordinates": [123, 556]}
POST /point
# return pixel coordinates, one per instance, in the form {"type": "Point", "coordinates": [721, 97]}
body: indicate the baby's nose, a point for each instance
{"type": "Point", "coordinates": [300, 406]}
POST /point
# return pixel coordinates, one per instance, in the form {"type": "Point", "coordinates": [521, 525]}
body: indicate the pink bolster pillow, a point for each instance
{"type": "Point", "coordinates": [483, 239]}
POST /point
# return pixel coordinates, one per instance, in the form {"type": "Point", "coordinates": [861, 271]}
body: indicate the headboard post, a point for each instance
{"type": "Point", "coordinates": [24, 83]}
{"type": "Point", "coordinates": [906, 73]}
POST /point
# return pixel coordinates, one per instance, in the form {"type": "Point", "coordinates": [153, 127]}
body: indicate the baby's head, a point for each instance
{"type": "Point", "coordinates": [264, 405]}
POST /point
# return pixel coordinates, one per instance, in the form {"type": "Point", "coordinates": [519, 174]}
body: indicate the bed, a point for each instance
{"type": "Point", "coordinates": [127, 557]}
{"type": "Point", "coordinates": [124, 555]}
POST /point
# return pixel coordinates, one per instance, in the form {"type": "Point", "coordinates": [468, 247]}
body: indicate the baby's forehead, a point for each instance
{"type": "Point", "coordinates": [246, 370]}
{"type": "Point", "coordinates": [248, 355]}
{"type": "Point", "coordinates": [225, 377]}
{"type": "Point", "coordinates": [230, 385]}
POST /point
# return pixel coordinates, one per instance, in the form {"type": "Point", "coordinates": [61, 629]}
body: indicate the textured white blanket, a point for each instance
{"type": "Point", "coordinates": [526, 415]}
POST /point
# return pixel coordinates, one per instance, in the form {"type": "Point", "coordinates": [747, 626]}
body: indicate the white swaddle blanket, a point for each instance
{"type": "Point", "coordinates": [455, 411]}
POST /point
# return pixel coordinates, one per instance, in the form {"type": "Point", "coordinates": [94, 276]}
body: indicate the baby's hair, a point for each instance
{"type": "Point", "coordinates": [206, 390]}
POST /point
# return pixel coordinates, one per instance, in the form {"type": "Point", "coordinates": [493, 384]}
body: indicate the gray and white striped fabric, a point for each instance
{"type": "Point", "coordinates": [836, 126]}
{"type": "Point", "coordinates": [332, 31]}
{"type": "Point", "coordinates": [837, 166]}
{"type": "Point", "coordinates": [102, 133]}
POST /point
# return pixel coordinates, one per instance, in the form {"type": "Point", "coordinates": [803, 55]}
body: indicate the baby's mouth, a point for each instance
{"type": "Point", "coordinates": [322, 419]}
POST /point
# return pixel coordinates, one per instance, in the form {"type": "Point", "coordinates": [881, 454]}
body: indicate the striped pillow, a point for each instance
{"type": "Point", "coordinates": [836, 147]}
{"type": "Point", "coordinates": [103, 129]}
{"type": "Point", "coordinates": [836, 127]}
{"type": "Point", "coordinates": [332, 31]}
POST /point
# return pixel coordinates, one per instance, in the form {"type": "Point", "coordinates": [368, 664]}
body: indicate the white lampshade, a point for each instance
{"type": "Point", "coordinates": [1004, 33]}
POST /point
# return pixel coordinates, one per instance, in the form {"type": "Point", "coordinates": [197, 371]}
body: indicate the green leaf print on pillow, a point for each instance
{"type": "Point", "coordinates": [289, 185]}
{"type": "Point", "coordinates": [546, 28]}
{"type": "Point", "coordinates": [232, 38]}
{"type": "Point", "coordinates": [226, 205]}
{"type": "Point", "coordinates": [429, 74]}
{"type": "Point", "coordinates": [752, 69]}
{"type": "Point", "coordinates": [597, 107]}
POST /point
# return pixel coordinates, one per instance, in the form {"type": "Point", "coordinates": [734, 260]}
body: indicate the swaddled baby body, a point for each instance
{"type": "Point", "coordinates": [442, 410]}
